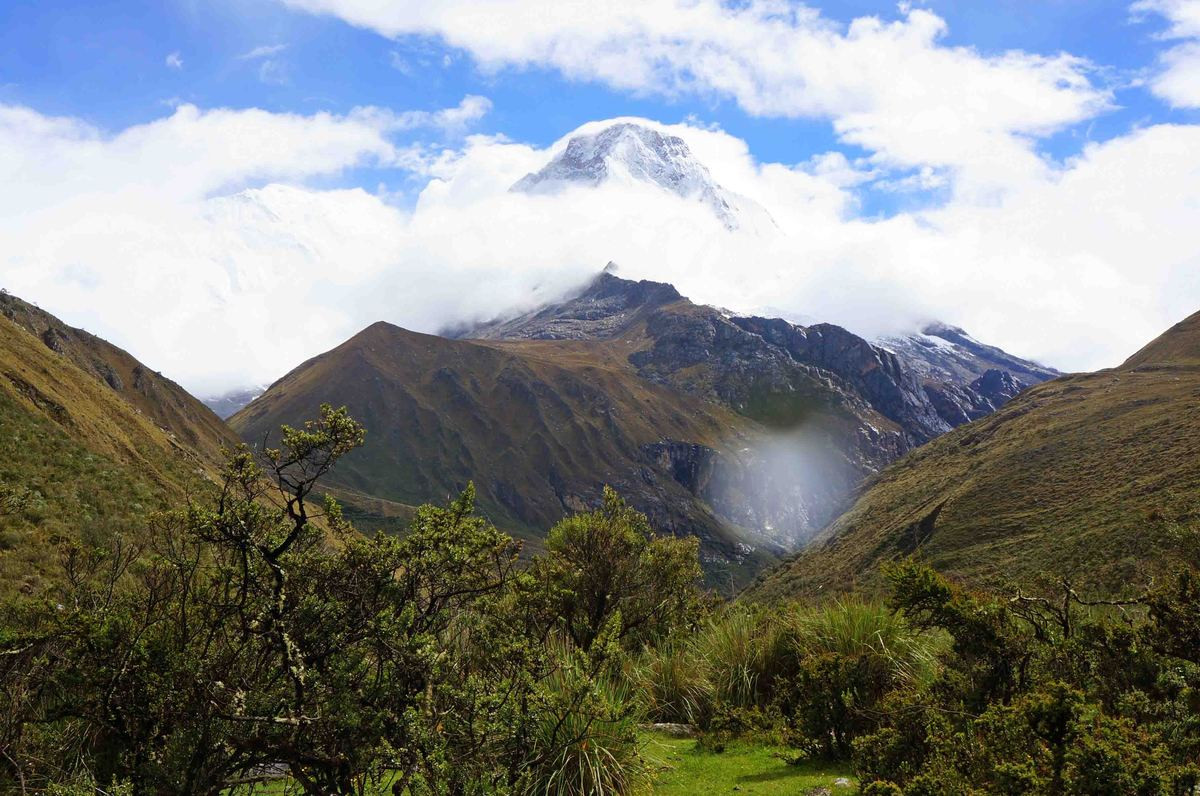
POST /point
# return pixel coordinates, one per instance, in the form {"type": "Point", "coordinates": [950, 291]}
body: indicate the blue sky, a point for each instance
{"type": "Point", "coordinates": [105, 61]}
{"type": "Point", "coordinates": [1027, 169]}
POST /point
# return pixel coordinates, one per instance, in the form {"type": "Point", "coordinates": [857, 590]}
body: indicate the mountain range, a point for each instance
{"type": "Point", "coordinates": [1085, 476]}
{"type": "Point", "coordinates": [766, 439]}
{"type": "Point", "coordinates": [753, 434]}
{"type": "Point", "coordinates": [750, 433]}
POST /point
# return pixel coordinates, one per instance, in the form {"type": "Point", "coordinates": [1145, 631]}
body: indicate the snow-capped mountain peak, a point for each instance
{"type": "Point", "coordinates": [630, 152]}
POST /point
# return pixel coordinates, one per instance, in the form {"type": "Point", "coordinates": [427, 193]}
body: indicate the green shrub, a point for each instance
{"type": "Point", "coordinates": [892, 649]}
{"type": "Point", "coordinates": [609, 562]}
{"type": "Point", "coordinates": [846, 658]}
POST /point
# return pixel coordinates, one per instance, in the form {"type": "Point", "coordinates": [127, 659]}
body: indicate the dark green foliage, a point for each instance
{"type": "Point", "coordinates": [815, 676]}
{"type": "Point", "coordinates": [1051, 694]}
{"type": "Point", "coordinates": [252, 641]}
{"type": "Point", "coordinates": [608, 563]}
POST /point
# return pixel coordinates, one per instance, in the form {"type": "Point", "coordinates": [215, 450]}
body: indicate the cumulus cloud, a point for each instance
{"type": "Point", "coordinates": [198, 242]}
{"type": "Point", "coordinates": [174, 61]}
{"type": "Point", "coordinates": [1079, 268]}
{"type": "Point", "coordinates": [155, 228]}
{"type": "Point", "coordinates": [151, 238]}
{"type": "Point", "coordinates": [892, 87]}
{"type": "Point", "coordinates": [1178, 79]}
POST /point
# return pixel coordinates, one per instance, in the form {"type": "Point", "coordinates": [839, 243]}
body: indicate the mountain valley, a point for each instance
{"type": "Point", "coordinates": [1086, 476]}
{"type": "Point", "coordinates": [748, 433]}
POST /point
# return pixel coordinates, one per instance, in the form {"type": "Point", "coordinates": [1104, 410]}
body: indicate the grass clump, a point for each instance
{"type": "Point", "coordinates": [585, 739]}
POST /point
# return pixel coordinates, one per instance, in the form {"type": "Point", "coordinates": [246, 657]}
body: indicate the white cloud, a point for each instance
{"type": "Point", "coordinates": [1079, 268]}
{"type": "Point", "coordinates": [174, 61]}
{"type": "Point", "coordinates": [273, 73]}
{"type": "Point", "coordinates": [891, 87]}
{"type": "Point", "coordinates": [144, 238]}
{"type": "Point", "coordinates": [271, 70]}
{"type": "Point", "coordinates": [399, 63]}
{"type": "Point", "coordinates": [193, 241]}
{"type": "Point", "coordinates": [1178, 79]}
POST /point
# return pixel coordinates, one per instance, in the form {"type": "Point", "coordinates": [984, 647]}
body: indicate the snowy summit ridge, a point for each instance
{"type": "Point", "coordinates": [632, 152]}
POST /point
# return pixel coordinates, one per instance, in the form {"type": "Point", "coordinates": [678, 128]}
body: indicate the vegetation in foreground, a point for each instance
{"type": "Point", "coordinates": [250, 648]}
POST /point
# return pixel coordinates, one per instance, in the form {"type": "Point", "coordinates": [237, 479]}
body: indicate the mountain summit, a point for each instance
{"type": "Point", "coordinates": [627, 153]}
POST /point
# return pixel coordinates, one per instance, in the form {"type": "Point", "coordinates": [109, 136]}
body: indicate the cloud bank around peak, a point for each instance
{"type": "Point", "coordinates": [199, 242]}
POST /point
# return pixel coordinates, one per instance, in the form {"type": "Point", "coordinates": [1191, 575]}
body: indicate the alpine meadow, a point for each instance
{"type": "Point", "coordinates": [517, 398]}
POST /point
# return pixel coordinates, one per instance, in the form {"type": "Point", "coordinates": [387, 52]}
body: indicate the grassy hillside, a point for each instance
{"type": "Point", "coordinates": [1080, 476]}
{"type": "Point", "coordinates": [539, 428]}
{"type": "Point", "coordinates": [85, 462]}
{"type": "Point", "coordinates": [153, 395]}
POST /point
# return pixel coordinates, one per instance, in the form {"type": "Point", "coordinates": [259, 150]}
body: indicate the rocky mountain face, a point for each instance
{"type": "Point", "coordinates": [830, 407]}
{"type": "Point", "coordinates": [632, 152]}
{"type": "Point", "coordinates": [894, 396]}
{"type": "Point", "coordinates": [963, 378]}
{"type": "Point", "coordinates": [1083, 476]}
{"type": "Point", "coordinates": [540, 429]}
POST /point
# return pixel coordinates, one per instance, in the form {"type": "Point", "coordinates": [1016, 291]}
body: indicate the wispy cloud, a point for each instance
{"type": "Point", "coordinates": [262, 51]}
{"type": "Point", "coordinates": [174, 60]}
{"type": "Point", "coordinates": [400, 63]}
{"type": "Point", "coordinates": [1177, 80]}
{"type": "Point", "coordinates": [273, 72]}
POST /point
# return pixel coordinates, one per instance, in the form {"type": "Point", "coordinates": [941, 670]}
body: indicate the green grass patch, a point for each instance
{"type": "Point", "coordinates": [682, 767]}
{"type": "Point", "coordinates": [686, 768]}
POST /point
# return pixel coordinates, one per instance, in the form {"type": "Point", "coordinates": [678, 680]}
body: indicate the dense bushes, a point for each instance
{"type": "Point", "coordinates": [814, 674]}
{"type": "Point", "coordinates": [948, 691]}
{"type": "Point", "coordinates": [251, 642]}
{"type": "Point", "coordinates": [1041, 694]}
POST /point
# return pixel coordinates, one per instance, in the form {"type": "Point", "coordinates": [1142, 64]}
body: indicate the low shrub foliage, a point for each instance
{"type": "Point", "coordinates": [260, 642]}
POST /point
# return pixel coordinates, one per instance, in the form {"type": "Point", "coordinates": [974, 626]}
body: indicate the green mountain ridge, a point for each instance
{"type": "Point", "coordinates": [84, 459]}
{"type": "Point", "coordinates": [538, 429]}
{"type": "Point", "coordinates": [164, 402]}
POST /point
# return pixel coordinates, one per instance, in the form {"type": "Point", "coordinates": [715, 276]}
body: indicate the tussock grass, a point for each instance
{"type": "Point", "coordinates": [861, 629]}
{"type": "Point", "coordinates": [741, 651]}
{"type": "Point", "coordinates": [586, 738]}
{"type": "Point", "coordinates": [739, 657]}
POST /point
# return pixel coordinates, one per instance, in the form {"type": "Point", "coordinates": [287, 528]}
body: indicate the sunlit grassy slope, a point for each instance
{"type": "Point", "coordinates": [86, 463]}
{"type": "Point", "coordinates": [157, 398]}
{"type": "Point", "coordinates": [1081, 476]}
{"type": "Point", "coordinates": [682, 768]}
{"type": "Point", "coordinates": [685, 768]}
{"type": "Point", "coordinates": [537, 428]}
